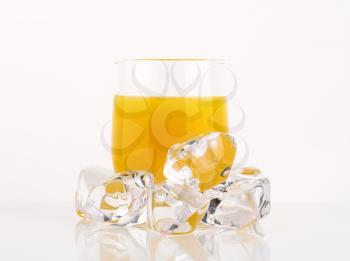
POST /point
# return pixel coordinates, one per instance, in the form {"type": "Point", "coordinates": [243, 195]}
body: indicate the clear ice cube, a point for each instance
{"type": "Point", "coordinates": [118, 198]}
{"type": "Point", "coordinates": [240, 201]}
{"type": "Point", "coordinates": [175, 209]}
{"type": "Point", "coordinates": [202, 161]}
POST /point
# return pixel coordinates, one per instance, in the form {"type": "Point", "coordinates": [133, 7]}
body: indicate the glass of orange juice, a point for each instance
{"type": "Point", "coordinates": [161, 102]}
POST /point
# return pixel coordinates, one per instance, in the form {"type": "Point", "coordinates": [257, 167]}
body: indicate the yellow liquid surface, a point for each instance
{"type": "Point", "coordinates": [145, 128]}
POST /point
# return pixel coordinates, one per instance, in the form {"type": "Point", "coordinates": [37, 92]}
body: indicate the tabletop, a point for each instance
{"type": "Point", "coordinates": [42, 231]}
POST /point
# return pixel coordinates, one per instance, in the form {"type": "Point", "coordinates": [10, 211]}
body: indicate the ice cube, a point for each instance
{"type": "Point", "coordinates": [118, 198]}
{"type": "Point", "coordinates": [201, 162]}
{"type": "Point", "coordinates": [175, 209]}
{"type": "Point", "coordinates": [240, 201]}
{"type": "Point", "coordinates": [89, 178]}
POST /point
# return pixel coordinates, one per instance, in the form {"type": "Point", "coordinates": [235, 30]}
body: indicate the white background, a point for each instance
{"type": "Point", "coordinates": [291, 59]}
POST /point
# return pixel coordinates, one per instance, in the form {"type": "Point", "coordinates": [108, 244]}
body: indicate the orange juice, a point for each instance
{"type": "Point", "coordinates": [145, 127]}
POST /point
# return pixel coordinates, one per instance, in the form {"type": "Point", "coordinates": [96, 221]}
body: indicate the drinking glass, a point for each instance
{"type": "Point", "coordinates": [161, 102]}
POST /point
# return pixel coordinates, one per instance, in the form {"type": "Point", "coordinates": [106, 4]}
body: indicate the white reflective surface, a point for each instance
{"type": "Point", "coordinates": [54, 232]}
{"type": "Point", "coordinates": [131, 243]}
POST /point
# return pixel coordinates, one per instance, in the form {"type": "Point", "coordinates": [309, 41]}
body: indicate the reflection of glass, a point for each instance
{"type": "Point", "coordinates": [107, 243]}
{"type": "Point", "coordinates": [162, 102]}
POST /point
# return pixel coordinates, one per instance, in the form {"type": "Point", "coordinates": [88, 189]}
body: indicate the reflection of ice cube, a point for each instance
{"type": "Point", "coordinates": [134, 243]}
{"type": "Point", "coordinates": [201, 161]}
{"type": "Point", "coordinates": [104, 196]}
{"type": "Point", "coordinates": [183, 247]}
{"type": "Point", "coordinates": [175, 209]}
{"type": "Point", "coordinates": [99, 242]}
{"type": "Point", "coordinates": [208, 243]}
{"type": "Point", "coordinates": [240, 201]}
{"type": "Point", "coordinates": [223, 244]}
